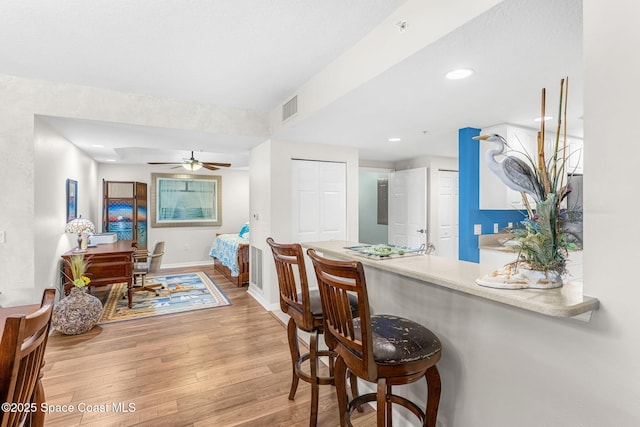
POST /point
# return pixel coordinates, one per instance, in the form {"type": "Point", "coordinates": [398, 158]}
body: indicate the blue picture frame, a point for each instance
{"type": "Point", "coordinates": [72, 199]}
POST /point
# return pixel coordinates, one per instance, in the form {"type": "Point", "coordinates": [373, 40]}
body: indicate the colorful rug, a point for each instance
{"type": "Point", "coordinates": [179, 293]}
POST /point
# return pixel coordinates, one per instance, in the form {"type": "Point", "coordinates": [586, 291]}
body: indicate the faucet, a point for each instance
{"type": "Point", "coordinates": [427, 248]}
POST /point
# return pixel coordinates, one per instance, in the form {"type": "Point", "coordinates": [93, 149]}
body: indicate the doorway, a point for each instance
{"type": "Point", "coordinates": [408, 207]}
{"type": "Point", "coordinates": [447, 232]}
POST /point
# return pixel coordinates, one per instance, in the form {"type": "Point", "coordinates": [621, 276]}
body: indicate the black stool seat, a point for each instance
{"type": "Point", "coordinates": [399, 340]}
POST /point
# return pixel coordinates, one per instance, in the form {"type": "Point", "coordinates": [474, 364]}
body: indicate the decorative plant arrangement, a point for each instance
{"type": "Point", "coordinates": [79, 311]}
{"type": "Point", "coordinates": [78, 266]}
{"type": "Point", "coordinates": [543, 239]}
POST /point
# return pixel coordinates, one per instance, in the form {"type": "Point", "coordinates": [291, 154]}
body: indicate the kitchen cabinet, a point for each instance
{"type": "Point", "coordinates": [574, 156]}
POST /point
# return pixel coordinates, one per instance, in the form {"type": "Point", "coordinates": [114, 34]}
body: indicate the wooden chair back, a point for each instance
{"type": "Point", "coordinates": [292, 282]}
{"type": "Point", "coordinates": [352, 337]}
{"type": "Point", "coordinates": [24, 340]}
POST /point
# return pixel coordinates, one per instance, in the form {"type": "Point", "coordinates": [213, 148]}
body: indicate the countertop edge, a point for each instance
{"type": "Point", "coordinates": [520, 298]}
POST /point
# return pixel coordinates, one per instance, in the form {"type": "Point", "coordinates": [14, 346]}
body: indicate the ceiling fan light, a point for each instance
{"type": "Point", "coordinates": [192, 166]}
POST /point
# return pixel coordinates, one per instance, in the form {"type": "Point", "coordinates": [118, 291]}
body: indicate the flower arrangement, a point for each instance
{"type": "Point", "coordinates": [78, 266]}
{"type": "Point", "coordinates": [542, 240]}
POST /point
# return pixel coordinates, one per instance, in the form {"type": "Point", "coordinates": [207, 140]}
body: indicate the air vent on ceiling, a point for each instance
{"type": "Point", "coordinates": [290, 108]}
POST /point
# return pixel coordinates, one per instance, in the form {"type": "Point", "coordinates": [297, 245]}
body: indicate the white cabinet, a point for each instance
{"type": "Point", "coordinates": [574, 156]}
{"type": "Point", "coordinates": [495, 258]}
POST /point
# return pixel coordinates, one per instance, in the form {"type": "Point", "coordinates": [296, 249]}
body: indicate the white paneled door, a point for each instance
{"type": "Point", "coordinates": [447, 244]}
{"type": "Point", "coordinates": [319, 201]}
{"type": "Point", "coordinates": [408, 207]}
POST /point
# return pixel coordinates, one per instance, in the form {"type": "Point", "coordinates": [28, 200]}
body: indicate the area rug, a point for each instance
{"type": "Point", "coordinates": [179, 293]}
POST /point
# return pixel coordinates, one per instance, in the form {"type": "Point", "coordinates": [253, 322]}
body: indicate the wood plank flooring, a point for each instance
{"type": "Point", "coordinates": [226, 366]}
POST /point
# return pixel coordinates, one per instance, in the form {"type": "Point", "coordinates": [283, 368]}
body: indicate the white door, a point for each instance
{"type": "Point", "coordinates": [447, 241]}
{"type": "Point", "coordinates": [319, 201]}
{"type": "Point", "coordinates": [408, 207]}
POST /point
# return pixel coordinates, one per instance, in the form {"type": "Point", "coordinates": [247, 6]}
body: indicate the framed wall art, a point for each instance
{"type": "Point", "coordinates": [181, 200]}
{"type": "Point", "coordinates": [72, 199]}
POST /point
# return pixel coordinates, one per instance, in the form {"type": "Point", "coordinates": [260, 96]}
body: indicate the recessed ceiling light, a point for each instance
{"type": "Point", "coordinates": [538, 119]}
{"type": "Point", "coordinates": [395, 139]}
{"type": "Point", "coordinates": [97, 145]}
{"type": "Point", "coordinates": [461, 73]}
{"type": "Point", "coordinates": [109, 160]}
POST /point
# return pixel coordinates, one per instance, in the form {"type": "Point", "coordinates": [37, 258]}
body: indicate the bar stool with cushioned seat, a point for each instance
{"type": "Point", "coordinates": [383, 349]}
{"type": "Point", "coordinates": [305, 313]}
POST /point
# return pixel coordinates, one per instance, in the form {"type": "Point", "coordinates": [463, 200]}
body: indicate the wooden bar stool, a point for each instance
{"type": "Point", "coordinates": [305, 313]}
{"type": "Point", "coordinates": [382, 349]}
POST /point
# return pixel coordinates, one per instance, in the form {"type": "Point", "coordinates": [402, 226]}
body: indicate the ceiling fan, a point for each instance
{"type": "Point", "coordinates": [192, 164]}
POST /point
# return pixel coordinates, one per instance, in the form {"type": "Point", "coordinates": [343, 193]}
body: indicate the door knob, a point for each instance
{"type": "Point", "coordinates": [422, 230]}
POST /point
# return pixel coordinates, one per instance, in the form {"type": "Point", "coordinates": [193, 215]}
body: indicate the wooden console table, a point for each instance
{"type": "Point", "coordinates": [108, 263]}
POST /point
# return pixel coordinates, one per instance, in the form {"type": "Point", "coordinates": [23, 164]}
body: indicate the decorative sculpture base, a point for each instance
{"type": "Point", "coordinates": [511, 277]}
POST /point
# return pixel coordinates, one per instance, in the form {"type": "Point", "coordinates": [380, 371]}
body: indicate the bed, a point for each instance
{"type": "Point", "coordinates": [230, 253]}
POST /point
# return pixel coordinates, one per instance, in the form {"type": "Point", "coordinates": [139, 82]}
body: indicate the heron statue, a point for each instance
{"type": "Point", "coordinates": [513, 171]}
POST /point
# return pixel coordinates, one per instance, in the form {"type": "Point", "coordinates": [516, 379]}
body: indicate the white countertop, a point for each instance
{"type": "Point", "coordinates": [567, 301]}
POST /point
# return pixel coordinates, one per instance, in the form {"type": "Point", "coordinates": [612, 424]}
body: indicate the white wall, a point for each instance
{"type": "Point", "coordinates": [611, 90]}
{"type": "Point", "coordinates": [185, 245]}
{"type": "Point", "coordinates": [57, 160]}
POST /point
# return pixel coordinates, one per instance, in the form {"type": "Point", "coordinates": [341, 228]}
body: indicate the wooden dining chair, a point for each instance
{"type": "Point", "coordinates": [386, 350]}
{"type": "Point", "coordinates": [305, 313]}
{"type": "Point", "coordinates": [24, 340]}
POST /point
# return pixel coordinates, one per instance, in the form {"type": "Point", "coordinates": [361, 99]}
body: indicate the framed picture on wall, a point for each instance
{"type": "Point", "coordinates": [181, 200]}
{"type": "Point", "coordinates": [72, 199]}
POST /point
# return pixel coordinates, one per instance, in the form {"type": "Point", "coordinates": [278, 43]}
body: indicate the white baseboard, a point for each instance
{"type": "Point", "coordinates": [187, 264]}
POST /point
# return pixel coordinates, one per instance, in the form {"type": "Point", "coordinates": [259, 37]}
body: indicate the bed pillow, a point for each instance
{"type": "Point", "coordinates": [244, 231]}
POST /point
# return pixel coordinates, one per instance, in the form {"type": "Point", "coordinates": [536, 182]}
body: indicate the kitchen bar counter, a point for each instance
{"type": "Point", "coordinates": [567, 301]}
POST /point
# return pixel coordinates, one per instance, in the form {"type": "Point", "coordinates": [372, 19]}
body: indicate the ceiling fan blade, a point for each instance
{"type": "Point", "coordinates": [211, 168]}
{"type": "Point", "coordinates": [224, 165]}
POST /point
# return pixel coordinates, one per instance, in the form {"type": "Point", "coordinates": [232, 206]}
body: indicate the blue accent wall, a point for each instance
{"type": "Point", "coordinates": [469, 212]}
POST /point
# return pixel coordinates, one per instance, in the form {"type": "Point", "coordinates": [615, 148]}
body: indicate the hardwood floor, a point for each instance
{"type": "Point", "coordinates": [227, 366]}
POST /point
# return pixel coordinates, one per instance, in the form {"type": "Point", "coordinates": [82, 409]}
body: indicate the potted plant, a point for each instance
{"type": "Point", "coordinates": [543, 238]}
{"type": "Point", "coordinates": [79, 311]}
